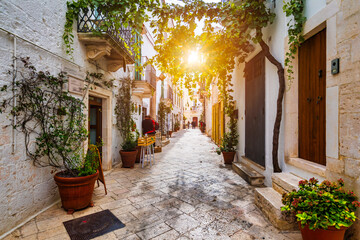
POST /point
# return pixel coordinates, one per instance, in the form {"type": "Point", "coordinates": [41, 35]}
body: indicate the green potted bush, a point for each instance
{"type": "Point", "coordinates": [54, 125]}
{"type": "Point", "coordinates": [126, 124]}
{"type": "Point", "coordinates": [230, 140]}
{"type": "Point", "coordinates": [323, 211]}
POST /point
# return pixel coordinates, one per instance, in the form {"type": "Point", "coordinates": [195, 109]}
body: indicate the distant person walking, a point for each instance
{"type": "Point", "coordinates": [193, 124]}
{"type": "Point", "coordinates": [188, 125]}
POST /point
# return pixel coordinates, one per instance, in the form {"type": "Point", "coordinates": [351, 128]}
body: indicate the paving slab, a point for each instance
{"type": "Point", "coordinates": [187, 194]}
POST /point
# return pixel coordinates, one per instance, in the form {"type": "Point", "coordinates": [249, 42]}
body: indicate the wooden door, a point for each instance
{"type": "Point", "coordinates": [255, 109]}
{"type": "Point", "coordinates": [95, 121]}
{"type": "Point", "coordinates": [312, 99]}
{"type": "Point", "coordinates": [195, 120]}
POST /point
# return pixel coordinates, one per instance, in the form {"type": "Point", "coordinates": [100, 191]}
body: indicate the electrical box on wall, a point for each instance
{"type": "Point", "coordinates": [335, 66]}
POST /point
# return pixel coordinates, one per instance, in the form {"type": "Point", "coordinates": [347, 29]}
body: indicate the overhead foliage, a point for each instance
{"type": "Point", "coordinates": [295, 10]}
{"type": "Point", "coordinates": [229, 32]}
{"type": "Point", "coordinates": [131, 13]}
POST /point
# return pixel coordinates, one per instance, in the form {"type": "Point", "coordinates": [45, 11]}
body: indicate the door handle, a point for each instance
{"type": "Point", "coordinates": [319, 99]}
{"type": "Point", "coordinates": [320, 73]}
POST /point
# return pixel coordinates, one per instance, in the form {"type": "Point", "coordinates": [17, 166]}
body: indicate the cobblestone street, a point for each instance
{"type": "Point", "coordinates": [188, 194]}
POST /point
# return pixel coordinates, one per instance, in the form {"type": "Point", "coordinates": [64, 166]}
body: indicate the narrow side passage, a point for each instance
{"type": "Point", "coordinates": [188, 194]}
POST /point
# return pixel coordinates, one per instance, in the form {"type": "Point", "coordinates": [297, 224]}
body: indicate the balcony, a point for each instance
{"type": "Point", "coordinates": [146, 85]}
{"type": "Point", "coordinates": [114, 46]}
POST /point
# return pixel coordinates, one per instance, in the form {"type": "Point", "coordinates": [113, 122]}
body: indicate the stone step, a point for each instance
{"type": "Point", "coordinates": [248, 174]}
{"type": "Point", "coordinates": [269, 202]}
{"type": "Point", "coordinates": [285, 182]}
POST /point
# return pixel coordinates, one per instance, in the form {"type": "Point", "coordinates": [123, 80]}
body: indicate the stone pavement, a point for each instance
{"type": "Point", "coordinates": [188, 194]}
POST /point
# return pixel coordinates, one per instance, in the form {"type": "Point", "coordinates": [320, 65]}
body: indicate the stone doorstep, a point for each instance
{"type": "Point", "coordinates": [269, 202]}
{"type": "Point", "coordinates": [249, 174]}
{"type": "Point", "coordinates": [285, 182]}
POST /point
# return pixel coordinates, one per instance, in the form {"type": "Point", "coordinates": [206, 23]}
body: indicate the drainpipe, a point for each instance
{"type": "Point", "coordinates": [13, 134]}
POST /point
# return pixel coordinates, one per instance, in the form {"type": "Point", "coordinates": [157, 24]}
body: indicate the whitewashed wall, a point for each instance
{"type": "Point", "coordinates": [24, 189]}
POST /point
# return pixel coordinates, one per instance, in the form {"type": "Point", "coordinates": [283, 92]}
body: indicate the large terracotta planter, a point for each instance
{"type": "Point", "coordinates": [228, 157]}
{"type": "Point", "coordinates": [138, 148]}
{"type": "Point", "coordinates": [329, 234]}
{"type": "Point", "coordinates": [170, 132]}
{"type": "Point", "coordinates": [76, 192]}
{"type": "Point", "coordinates": [128, 158]}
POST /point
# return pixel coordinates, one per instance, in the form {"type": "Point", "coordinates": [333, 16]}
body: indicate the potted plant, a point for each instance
{"type": "Point", "coordinates": [323, 211]}
{"type": "Point", "coordinates": [227, 147]}
{"type": "Point", "coordinates": [229, 142]}
{"type": "Point", "coordinates": [177, 126]}
{"type": "Point", "coordinates": [76, 191]}
{"type": "Point", "coordinates": [53, 123]}
{"type": "Point", "coordinates": [128, 151]}
{"type": "Point", "coordinates": [126, 124]}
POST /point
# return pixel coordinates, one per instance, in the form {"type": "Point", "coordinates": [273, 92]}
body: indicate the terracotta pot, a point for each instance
{"type": "Point", "coordinates": [329, 234]}
{"type": "Point", "coordinates": [170, 132]}
{"type": "Point", "coordinates": [228, 157]}
{"type": "Point", "coordinates": [76, 192]}
{"type": "Point", "coordinates": [138, 148]}
{"type": "Point", "coordinates": [128, 158]}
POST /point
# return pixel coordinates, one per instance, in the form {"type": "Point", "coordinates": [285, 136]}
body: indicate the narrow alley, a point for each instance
{"type": "Point", "coordinates": [187, 194]}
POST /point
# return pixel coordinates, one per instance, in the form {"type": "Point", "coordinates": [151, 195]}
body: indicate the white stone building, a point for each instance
{"type": "Point", "coordinates": [332, 32]}
{"type": "Point", "coordinates": [34, 29]}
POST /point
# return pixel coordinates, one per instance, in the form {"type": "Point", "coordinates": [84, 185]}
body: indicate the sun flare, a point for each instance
{"type": "Point", "coordinates": [194, 57]}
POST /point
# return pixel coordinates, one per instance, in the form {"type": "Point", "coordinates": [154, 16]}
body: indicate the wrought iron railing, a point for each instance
{"type": "Point", "coordinates": [150, 75]}
{"type": "Point", "coordinates": [90, 20]}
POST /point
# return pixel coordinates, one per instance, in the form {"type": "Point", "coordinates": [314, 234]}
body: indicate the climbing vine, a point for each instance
{"type": "Point", "coordinates": [229, 34]}
{"type": "Point", "coordinates": [116, 14]}
{"type": "Point", "coordinates": [295, 10]}
{"type": "Point", "coordinates": [51, 119]}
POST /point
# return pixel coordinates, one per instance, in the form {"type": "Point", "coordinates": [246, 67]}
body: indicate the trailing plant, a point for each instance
{"type": "Point", "coordinates": [162, 112]}
{"type": "Point", "coordinates": [295, 10]}
{"type": "Point", "coordinates": [117, 14]}
{"type": "Point", "coordinates": [230, 140]}
{"type": "Point", "coordinates": [124, 107]}
{"type": "Point", "coordinates": [51, 119]}
{"type": "Point", "coordinates": [221, 47]}
{"type": "Point", "coordinates": [322, 205]}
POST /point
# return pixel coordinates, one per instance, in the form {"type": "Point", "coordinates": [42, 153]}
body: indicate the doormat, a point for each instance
{"type": "Point", "coordinates": [92, 225]}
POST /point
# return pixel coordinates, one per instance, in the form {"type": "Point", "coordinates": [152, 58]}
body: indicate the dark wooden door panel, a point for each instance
{"type": "Point", "coordinates": [312, 99]}
{"type": "Point", "coordinates": [255, 109]}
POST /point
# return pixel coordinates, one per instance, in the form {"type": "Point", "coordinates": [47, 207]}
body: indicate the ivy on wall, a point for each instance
{"type": "Point", "coordinates": [295, 10]}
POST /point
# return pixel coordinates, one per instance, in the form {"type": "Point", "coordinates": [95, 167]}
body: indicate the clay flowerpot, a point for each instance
{"type": "Point", "coordinates": [76, 192]}
{"type": "Point", "coordinates": [228, 157]}
{"type": "Point", "coordinates": [170, 132]}
{"type": "Point", "coordinates": [138, 148]}
{"type": "Point", "coordinates": [128, 158]}
{"type": "Point", "coordinates": [331, 233]}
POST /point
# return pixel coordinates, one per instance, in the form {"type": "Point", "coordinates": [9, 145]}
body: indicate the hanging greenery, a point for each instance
{"type": "Point", "coordinates": [51, 119]}
{"type": "Point", "coordinates": [229, 34]}
{"type": "Point", "coordinates": [124, 107]}
{"type": "Point", "coordinates": [295, 10]}
{"type": "Point", "coordinates": [117, 14]}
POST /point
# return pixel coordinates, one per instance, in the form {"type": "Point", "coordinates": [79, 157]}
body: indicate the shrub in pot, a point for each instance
{"type": "Point", "coordinates": [128, 151]}
{"type": "Point", "coordinates": [126, 124]}
{"type": "Point", "coordinates": [229, 142]}
{"type": "Point", "coordinates": [323, 211]}
{"type": "Point", "coordinates": [51, 118]}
